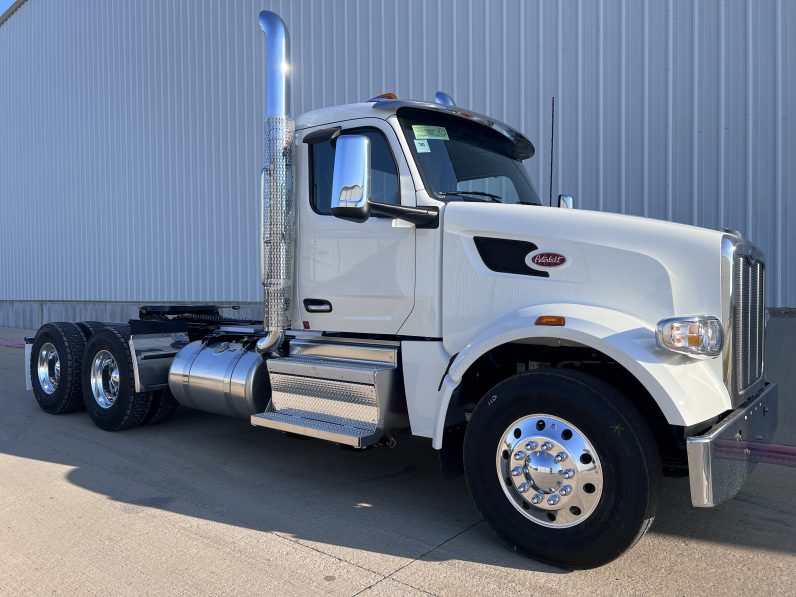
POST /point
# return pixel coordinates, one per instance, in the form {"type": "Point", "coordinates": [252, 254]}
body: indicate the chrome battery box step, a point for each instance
{"type": "Point", "coordinates": [345, 400]}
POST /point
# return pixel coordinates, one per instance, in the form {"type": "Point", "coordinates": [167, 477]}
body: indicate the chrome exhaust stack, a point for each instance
{"type": "Point", "coordinates": [276, 186]}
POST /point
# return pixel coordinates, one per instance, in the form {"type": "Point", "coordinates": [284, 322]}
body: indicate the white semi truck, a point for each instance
{"type": "Point", "coordinates": [561, 359]}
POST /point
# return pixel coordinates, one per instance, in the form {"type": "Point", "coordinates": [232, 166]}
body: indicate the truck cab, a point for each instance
{"type": "Point", "coordinates": [414, 283]}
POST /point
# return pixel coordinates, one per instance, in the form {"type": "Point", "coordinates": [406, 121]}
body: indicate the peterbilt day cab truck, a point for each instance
{"type": "Point", "coordinates": [562, 359]}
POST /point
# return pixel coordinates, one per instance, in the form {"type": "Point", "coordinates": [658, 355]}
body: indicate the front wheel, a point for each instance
{"type": "Point", "coordinates": [562, 467]}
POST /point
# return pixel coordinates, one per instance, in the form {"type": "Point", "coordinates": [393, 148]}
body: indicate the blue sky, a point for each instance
{"type": "Point", "coordinates": [4, 4]}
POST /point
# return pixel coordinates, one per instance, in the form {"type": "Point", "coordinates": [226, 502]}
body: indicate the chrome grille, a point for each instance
{"type": "Point", "coordinates": [749, 321]}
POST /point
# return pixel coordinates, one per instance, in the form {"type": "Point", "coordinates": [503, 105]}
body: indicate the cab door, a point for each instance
{"type": "Point", "coordinates": [354, 277]}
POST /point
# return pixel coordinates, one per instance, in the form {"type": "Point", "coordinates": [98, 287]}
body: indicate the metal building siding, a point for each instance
{"type": "Point", "coordinates": [131, 131]}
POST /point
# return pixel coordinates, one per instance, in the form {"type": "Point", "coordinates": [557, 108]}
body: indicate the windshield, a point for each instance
{"type": "Point", "coordinates": [464, 161]}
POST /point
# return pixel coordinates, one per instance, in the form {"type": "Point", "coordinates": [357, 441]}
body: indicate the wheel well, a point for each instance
{"type": "Point", "coordinates": [511, 359]}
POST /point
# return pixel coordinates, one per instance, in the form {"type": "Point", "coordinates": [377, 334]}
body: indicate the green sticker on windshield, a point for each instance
{"type": "Point", "coordinates": [426, 131]}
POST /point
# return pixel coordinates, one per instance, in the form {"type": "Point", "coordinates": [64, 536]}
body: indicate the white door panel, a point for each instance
{"type": "Point", "coordinates": [365, 270]}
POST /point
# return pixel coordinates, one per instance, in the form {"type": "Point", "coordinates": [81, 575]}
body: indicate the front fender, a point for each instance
{"type": "Point", "coordinates": [687, 390]}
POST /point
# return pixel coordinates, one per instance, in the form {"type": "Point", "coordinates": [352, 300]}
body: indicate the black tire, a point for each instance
{"type": "Point", "coordinates": [69, 345]}
{"type": "Point", "coordinates": [89, 328]}
{"type": "Point", "coordinates": [163, 406]}
{"type": "Point", "coordinates": [628, 457]}
{"type": "Point", "coordinates": [129, 408]}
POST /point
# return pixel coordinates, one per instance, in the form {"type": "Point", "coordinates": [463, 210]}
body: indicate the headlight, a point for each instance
{"type": "Point", "coordinates": [700, 336]}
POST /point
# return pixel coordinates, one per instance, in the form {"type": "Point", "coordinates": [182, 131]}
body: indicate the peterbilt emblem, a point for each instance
{"type": "Point", "coordinates": [545, 259]}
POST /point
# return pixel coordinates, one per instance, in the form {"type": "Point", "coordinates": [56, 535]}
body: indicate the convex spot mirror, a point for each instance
{"type": "Point", "coordinates": [351, 178]}
{"type": "Point", "coordinates": [566, 201]}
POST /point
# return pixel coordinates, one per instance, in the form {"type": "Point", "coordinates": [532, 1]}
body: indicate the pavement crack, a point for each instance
{"type": "Point", "coordinates": [324, 553]}
{"type": "Point", "coordinates": [391, 575]}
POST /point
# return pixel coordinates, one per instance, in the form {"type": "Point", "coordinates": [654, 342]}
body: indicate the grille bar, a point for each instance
{"type": "Point", "coordinates": [749, 316]}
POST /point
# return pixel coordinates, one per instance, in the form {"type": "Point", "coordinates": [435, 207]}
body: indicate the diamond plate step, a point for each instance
{"type": "Point", "coordinates": [330, 396]}
{"type": "Point", "coordinates": [328, 368]}
{"type": "Point", "coordinates": [331, 388]}
{"type": "Point", "coordinates": [306, 423]}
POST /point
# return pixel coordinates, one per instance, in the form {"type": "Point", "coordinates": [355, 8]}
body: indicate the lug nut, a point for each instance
{"type": "Point", "coordinates": [568, 473]}
{"type": "Point", "coordinates": [516, 471]}
{"type": "Point", "coordinates": [519, 455]}
{"type": "Point", "coordinates": [547, 446]}
{"type": "Point", "coordinates": [537, 498]}
{"type": "Point", "coordinates": [531, 446]}
{"type": "Point", "coordinates": [523, 487]}
{"type": "Point", "coordinates": [565, 490]}
{"type": "Point", "coordinates": [560, 457]}
{"type": "Point", "coordinates": [553, 500]}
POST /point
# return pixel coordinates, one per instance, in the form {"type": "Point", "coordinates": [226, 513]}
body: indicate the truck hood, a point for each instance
{"type": "Point", "coordinates": [647, 268]}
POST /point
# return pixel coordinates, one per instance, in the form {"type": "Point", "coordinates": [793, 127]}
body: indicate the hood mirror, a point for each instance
{"type": "Point", "coordinates": [351, 179]}
{"type": "Point", "coordinates": [566, 202]}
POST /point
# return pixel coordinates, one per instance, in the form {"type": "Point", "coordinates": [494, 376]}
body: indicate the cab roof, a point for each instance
{"type": "Point", "coordinates": [384, 108]}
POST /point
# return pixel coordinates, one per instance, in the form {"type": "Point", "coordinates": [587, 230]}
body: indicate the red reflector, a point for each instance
{"type": "Point", "coordinates": [306, 325]}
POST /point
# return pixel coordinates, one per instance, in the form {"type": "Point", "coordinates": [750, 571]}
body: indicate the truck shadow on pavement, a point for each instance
{"type": "Point", "coordinates": [393, 502]}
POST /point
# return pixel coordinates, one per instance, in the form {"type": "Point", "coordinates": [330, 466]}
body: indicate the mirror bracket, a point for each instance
{"type": "Point", "coordinates": [422, 217]}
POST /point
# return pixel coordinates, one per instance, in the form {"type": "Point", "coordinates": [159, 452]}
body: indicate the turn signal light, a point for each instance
{"type": "Point", "coordinates": [550, 320]}
{"type": "Point", "coordinates": [700, 336]}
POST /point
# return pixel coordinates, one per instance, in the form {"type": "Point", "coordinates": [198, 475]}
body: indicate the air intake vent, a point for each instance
{"type": "Point", "coordinates": [507, 256]}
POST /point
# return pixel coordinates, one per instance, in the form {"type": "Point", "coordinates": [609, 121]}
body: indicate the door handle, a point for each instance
{"type": "Point", "coordinates": [317, 306]}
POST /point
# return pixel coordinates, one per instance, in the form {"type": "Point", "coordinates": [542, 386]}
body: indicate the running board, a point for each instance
{"type": "Point", "coordinates": [321, 391]}
{"type": "Point", "coordinates": [302, 423]}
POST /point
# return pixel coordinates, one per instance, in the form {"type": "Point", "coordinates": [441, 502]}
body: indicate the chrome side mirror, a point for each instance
{"type": "Point", "coordinates": [351, 179]}
{"type": "Point", "coordinates": [566, 202]}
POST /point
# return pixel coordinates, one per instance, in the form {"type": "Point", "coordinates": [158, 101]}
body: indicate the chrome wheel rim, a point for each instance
{"type": "Point", "coordinates": [49, 368]}
{"type": "Point", "coordinates": [549, 471]}
{"type": "Point", "coordinates": [104, 379]}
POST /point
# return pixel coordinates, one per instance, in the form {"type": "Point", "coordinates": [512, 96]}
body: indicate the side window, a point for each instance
{"type": "Point", "coordinates": [384, 187]}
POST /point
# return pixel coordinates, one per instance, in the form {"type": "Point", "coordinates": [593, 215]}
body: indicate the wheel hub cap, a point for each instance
{"type": "Point", "coordinates": [104, 379]}
{"type": "Point", "coordinates": [48, 368]}
{"type": "Point", "coordinates": [549, 470]}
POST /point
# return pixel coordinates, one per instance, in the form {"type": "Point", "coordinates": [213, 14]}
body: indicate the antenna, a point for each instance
{"type": "Point", "coordinates": [552, 141]}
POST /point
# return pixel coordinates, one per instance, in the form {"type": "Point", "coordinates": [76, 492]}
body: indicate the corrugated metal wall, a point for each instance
{"type": "Point", "coordinates": [130, 133]}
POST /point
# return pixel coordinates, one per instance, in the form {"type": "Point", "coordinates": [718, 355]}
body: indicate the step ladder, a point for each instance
{"type": "Point", "coordinates": [339, 391]}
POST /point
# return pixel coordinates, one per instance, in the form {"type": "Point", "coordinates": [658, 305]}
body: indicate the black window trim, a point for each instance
{"type": "Point", "coordinates": [351, 131]}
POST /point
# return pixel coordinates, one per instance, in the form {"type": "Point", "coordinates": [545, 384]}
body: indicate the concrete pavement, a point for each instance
{"type": "Point", "coordinates": [208, 505]}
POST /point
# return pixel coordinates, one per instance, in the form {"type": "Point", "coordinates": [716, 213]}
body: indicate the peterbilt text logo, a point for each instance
{"type": "Point", "coordinates": [545, 259]}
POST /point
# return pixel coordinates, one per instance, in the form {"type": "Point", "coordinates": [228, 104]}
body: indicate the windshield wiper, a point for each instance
{"type": "Point", "coordinates": [490, 196]}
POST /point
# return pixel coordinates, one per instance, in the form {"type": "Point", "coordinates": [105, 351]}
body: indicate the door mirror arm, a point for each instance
{"type": "Point", "coordinates": [422, 217]}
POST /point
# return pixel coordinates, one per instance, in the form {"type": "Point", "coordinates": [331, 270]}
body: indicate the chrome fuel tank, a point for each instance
{"type": "Point", "coordinates": [224, 378]}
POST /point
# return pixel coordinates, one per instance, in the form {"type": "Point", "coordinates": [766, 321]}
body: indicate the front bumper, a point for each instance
{"type": "Point", "coordinates": [720, 461]}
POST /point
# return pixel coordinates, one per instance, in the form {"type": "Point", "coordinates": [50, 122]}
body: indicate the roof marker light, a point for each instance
{"type": "Point", "coordinates": [384, 96]}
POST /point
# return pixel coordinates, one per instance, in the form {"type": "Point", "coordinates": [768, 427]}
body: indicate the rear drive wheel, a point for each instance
{"type": "Point", "coordinates": [108, 383]}
{"type": "Point", "coordinates": [89, 328]}
{"type": "Point", "coordinates": [562, 467]}
{"type": "Point", "coordinates": [54, 367]}
{"type": "Point", "coordinates": [163, 406]}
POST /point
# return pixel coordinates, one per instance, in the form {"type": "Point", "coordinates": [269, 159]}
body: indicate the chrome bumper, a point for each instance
{"type": "Point", "coordinates": [720, 461]}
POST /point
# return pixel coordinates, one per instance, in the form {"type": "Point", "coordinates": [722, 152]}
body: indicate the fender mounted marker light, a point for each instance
{"type": "Point", "coordinates": [556, 320]}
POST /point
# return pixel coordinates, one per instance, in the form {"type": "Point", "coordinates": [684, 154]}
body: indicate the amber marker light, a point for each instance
{"type": "Point", "coordinates": [550, 320]}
